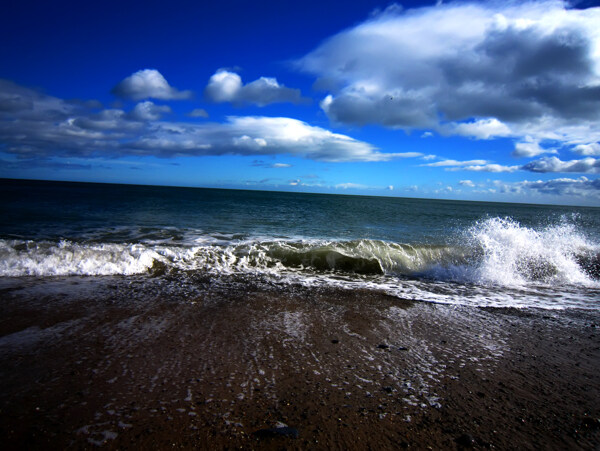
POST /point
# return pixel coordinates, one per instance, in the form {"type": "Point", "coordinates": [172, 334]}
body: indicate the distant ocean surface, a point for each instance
{"type": "Point", "coordinates": [453, 252]}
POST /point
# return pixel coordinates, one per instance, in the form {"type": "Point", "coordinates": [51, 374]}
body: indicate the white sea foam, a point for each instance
{"type": "Point", "coordinates": [495, 251]}
{"type": "Point", "coordinates": [498, 262]}
{"type": "Point", "coordinates": [28, 258]}
{"type": "Point", "coordinates": [510, 255]}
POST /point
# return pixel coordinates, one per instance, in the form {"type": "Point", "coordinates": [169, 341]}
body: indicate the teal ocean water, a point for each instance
{"type": "Point", "coordinates": [466, 253]}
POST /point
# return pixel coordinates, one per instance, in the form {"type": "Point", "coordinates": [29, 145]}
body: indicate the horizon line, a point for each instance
{"type": "Point", "coordinates": [2, 179]}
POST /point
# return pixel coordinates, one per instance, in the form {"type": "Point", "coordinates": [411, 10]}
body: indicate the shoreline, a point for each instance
{"type": "Point", "coordinates": [339, 369]}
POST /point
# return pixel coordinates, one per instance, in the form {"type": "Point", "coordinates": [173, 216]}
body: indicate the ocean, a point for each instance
{"type": "Point", "coordinates": [118, 240]}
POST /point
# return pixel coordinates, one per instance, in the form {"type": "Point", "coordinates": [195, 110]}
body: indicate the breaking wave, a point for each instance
{"type": "Point", "coordinates": [65, 258]}
{"type": "Point", "coordinates": [494, 251]}
{"type": "Point", "coordinates": [507, 254]}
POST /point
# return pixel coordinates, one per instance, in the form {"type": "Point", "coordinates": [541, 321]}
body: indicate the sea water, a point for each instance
{"type": "Point", "coordinates": [454, 252]}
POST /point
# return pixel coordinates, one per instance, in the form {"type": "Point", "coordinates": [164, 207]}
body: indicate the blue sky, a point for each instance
{"type": "Point", "coordinates": [494, 101]}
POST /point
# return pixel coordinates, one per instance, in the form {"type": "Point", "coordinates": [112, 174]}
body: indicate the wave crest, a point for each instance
{"type": "Point", "coordinates": [494, 251]}
{"type": "Point", "coordinates": [510, 254]}
{"type": "Point", "coordinates": [29, 258]}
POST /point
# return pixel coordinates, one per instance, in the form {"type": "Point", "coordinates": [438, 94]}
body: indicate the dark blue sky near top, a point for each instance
{"type": "Point", "coordinates": [470, 100]}
{"type": "Point", "coordinates": [101, 42]}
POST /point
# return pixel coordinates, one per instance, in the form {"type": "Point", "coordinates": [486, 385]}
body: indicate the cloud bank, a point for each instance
{"type": "Point", "coordinates": [226, 86]}
{"type": "Point", "coordinates": [530, 71]}
{"type": "Point", "coordinates": [579, 187]}
{"type": "Point", "coordinates": [35, 125]}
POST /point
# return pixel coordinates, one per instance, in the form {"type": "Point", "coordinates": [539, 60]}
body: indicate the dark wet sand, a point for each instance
{"type": "Point", "coordinates": [341, 369]}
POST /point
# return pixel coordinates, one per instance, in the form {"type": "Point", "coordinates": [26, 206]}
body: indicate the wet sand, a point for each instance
{"type": "Point", "coordinates": [301, 369]}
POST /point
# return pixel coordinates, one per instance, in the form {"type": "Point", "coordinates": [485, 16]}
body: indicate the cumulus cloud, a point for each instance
{"type": "Point", "coordinates": [530, 148]}
{"type": "Point", "coordinates": [485, 70]}
{"type": "Point", "coordinates": [148, 83]}
{"type": "Point", "coordinates": [482, 129]}
{"type": "Point", "coordinates": [591, 149]}
{"type": "Point", "coordinates": [468, 183]}
{"type": "Point", "coordinates": [148, 111]}
{"type": "Point", "coordinates": [34, 125]}
{"type": "Point", "coordinates": [554, 164]}
{"type": "Point", "coordinates": [226, 86]}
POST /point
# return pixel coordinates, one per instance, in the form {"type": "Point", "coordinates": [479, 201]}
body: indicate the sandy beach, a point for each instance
{"type": "Point", "coordinates": [302, 369]}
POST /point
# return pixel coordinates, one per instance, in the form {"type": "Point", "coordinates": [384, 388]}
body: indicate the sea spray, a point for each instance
{"type": "Point", "coordinates": [493, 251]}
{"type": "Point", "coordinates": [512, 255]}
{"type": "Point", "coordinates": [494, 262]}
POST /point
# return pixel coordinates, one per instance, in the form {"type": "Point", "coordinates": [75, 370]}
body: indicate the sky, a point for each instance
{"type": "Point", "coordinates": [495, 101]}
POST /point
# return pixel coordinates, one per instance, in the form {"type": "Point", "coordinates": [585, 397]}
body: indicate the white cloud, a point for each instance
{"type": "Point", "coordinates": [445, 190]}
{"type": "Point", "coordinates": [468, 183]}
{"type": "Point", "coordinates": [591, 149]}
{"type": "Point", "coordinates": [223, 86]}
{"type": "Point", "coordinates": [472, 165]}
{"type": "Point", "coordinates": [445, 163]}
{"type": "Point", "coordinates": [479, 69]}
{"type": "Point", "coordinates": [553, 164]}
{"type": "Point", "coordinates": [352, 186]}
{"type": "Point", "coordinates": [529, 147]}
{"type": "Point", "coordinates": [581, 187]}
{"type": "Point", "coordinates": [390, 188]}
{"type": "Point", "coordinates": [280, 165]}
{"type": "Point", "coordinates": [34, 125]}
{"type": "Point", "coordinates": [148, 83]}
{"type": "Point", "coordinates": [148, 111]}
{"type": "Point", "coordinates": [487, 168]}
{"type": "Point", "coordinates": [256, 135]}
{"type": "Point", "coordinates": [566, 187]}
{"type": "Point", "coordinates": [482, 129]}
{"type": "Point", "coordinates": [226, 86]}
{"type": "Point", "coordinates": [408, 155]}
